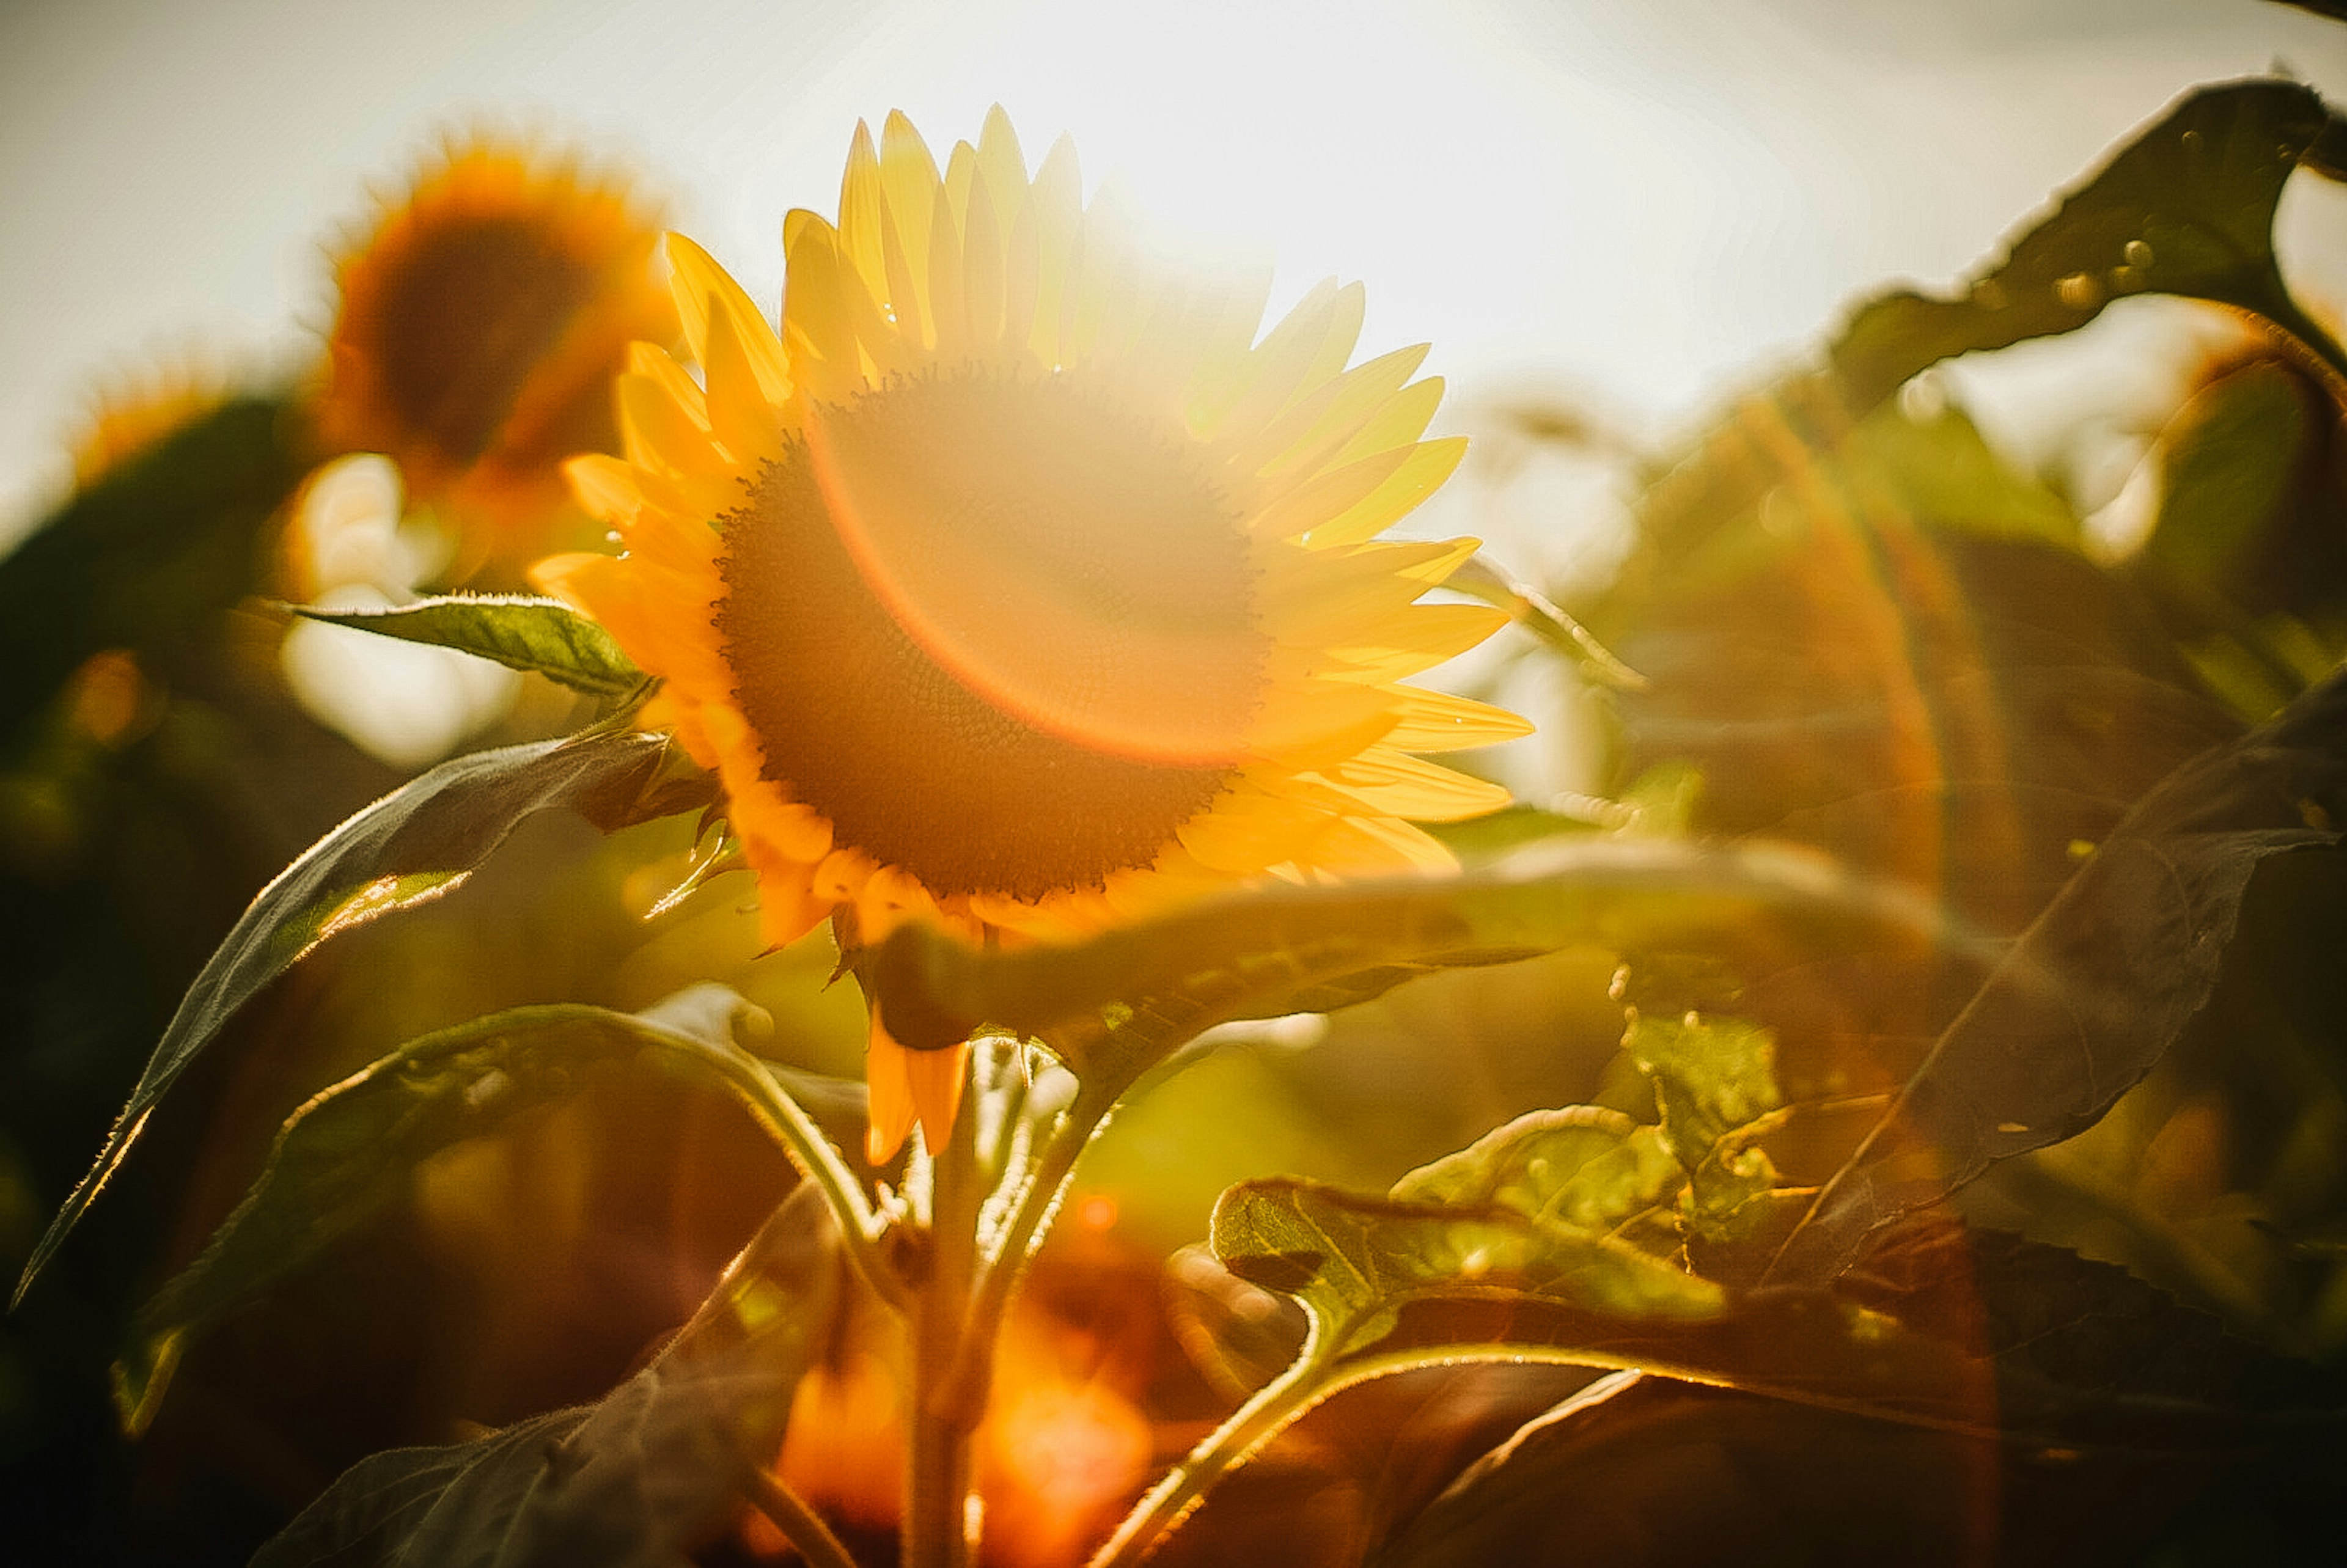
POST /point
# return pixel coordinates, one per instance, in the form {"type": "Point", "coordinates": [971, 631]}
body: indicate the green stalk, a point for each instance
{"type": "Point", "coordinates": [972, 1376]}
{"type": "Point", "coordinates": [800, 1525]}
{"type": "Point", "coordinates": [944, 1415]}
{"type": "Point", "coordinates": [1251, 1425]}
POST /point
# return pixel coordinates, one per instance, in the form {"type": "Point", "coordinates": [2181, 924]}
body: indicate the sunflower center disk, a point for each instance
{"type": "Point", "coordinates": [466, 320]}
{"type": "Point", "coordinates": [999, 632]}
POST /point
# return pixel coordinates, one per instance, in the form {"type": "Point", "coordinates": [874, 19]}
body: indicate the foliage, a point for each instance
{"type": "Point", "coordinates": [1977, 854]}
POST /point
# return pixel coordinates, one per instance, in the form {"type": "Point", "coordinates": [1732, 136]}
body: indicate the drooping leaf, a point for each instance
{"type": "Point", "coordinates": [2120, 1412]}
{"type": "Point", "coordinates": [352, 1148]}
{"type": "Point", "coordinates": [423, 840]}
{"type": "Point", "coordinates": [1671, 1475]}
{"type": "Point", "coordinates": [1120, 1002]}
{"type": "Point", "coordinates": [518, 631]}
{"type": "Point", "coordinates": [2100, 984]}
{"type": "Point", "coordinates": [2185, 208]}
{"type": "Point", "coordinates": [1860, 664]}
{"type": "Point", "coordinates": [2231, 452]}
{"type": "Point", "coordinates": [2085, 1352]}
{"type": "Point", "coordinates": [635, 1480]}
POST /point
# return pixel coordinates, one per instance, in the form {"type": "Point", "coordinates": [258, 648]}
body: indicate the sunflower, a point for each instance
{"type": "Point", "coordinates": [481, 323]}
{"type": "Point", "coordinates": [1017, 587]}
{"type": "Point", "coordinates": [138, 410]}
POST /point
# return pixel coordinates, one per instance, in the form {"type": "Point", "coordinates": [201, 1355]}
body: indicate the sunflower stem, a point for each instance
{"type": "Point", "coordinates": [801, 1526]}
{"type": "Point", "coordinates": [1029, 1221]}
{"type": "Point", "coordinates": [1250, 1426]}
{"type": "Point", "coordinates": [945, 1411]}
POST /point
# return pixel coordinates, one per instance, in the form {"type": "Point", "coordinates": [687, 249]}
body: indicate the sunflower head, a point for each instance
{"type": "Point", "coordinates": [1017, 584]}
{"type": "Point", "coordinates": [137, 410]}
{"type": "Point", "coordinates": [480, 325]}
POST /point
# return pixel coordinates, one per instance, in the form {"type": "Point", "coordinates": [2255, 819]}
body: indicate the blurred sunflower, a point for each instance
{"type": "Point", "coordinates": [480, 326]}
{"type": "Point", "coordinates": [1018, 587]}
{"type": "Point", "coordinates": [140, 409]}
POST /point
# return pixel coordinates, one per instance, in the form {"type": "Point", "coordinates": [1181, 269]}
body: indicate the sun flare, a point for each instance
{"type": "Point", "coordinates": [1017, 587]}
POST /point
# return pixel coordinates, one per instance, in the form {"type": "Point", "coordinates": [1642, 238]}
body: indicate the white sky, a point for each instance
{"type": "Point", "coordinates": [1649, 201]}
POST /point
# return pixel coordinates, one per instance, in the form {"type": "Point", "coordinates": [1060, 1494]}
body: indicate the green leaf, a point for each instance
{"type": "Point", "coordinates": [1715, 1087]}
{"type": "Point", "coordinates": [423, 840]}
{"type": "Point", "coordinates": [2102, 982]}
{"type": "Point", "coordinates": [1878, 660]}
{"type": "Point", "coordinates": [1711, 1077]}
{"type": "Point", "coordinates": [1116, 1005]}
{"type": "Point", "coordinates": [1510, 827]}
{"type": "Point", "coordinates": [632, 1481]}
{"type": "Point", "coordinates": [543, 635]}
{"type": "Point", "coordinates": [2185, 208]}
{"type": "Point", "coordinates": [1392, 1287]}
{"type": "Point", "coordinates": [2113, 1408]}
{"type": "Point", "coordinates": [1583, 1166]}
{"type": "Point", "coordinates": [1355, 1262]}
{"type": "Point", "coordinates": [2231, 453]}
{"type": "Point", "coordinates": [353, 1148]}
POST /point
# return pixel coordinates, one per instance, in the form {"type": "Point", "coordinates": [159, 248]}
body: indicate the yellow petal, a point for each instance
{"type": "Point", "coordinates": [982, 270]}
{"type": "Point", "coordinates": [605, 488]}
{"type": "Point", "coordinates": [961, 179]}
{"type": "Point", "coordinates": [1398, 424]}
{"type": "Point", "coordinates": [1320, 424]}
{"type": "Point", "coordinates": [908, 175]}
{"type": "Point", "coordinates": [886, 1070]}
{"type": "Point", "coordinates": [815, 321]}
{"type": "Point", "coordinates": [787, 907]}
{"type": "Point", "coordinates": [1349, 597]}
{"type": "Point", "coordinates": [1050, 217]}
{"type": "Point", "coordinates": [695, 280]}
{"type": "Point", "coordinates": [658, 433]}
{"type": "Point", "coordinates": [950, 323]}
{"type": "Point", "coordinates": [1308, 347]}
{"type": "Point", "coordinates": [1221, 368]}
{"type": "Point", "coordinates": [1398, 784]}
{"type": "Point", "coordinates": [739, 413]}
{"type": "Point", "coordinates": [1307, 717]}
{"type": "Point", "coordinates": [1315, 502]}
{"type": "Point", "coordinates": [1425, 635]}
{"type": "Point", "coordinates": [861, 198]}
{"type": "Point", "coordinates": [654, 364]}
{"type": "Point", "coordinates": [1002, 167]}
{"type": "Point", "coordinates": [1380, 846]}
{"type": "Point", "coordinates": [1438, 722]}
{"type": "Point", "coordinates": [1244, 831]}
{"type": "Point", "coordinates": [935, 1078]}
{"type": "Point", "coordinates": [1419, 476]}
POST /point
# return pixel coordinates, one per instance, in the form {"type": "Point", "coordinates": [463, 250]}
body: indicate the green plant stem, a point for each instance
{"type": "Point", "coordinates": [1251, 1425]}
{"type": "Point", "coordinates": [971, 1375]}
{"type": "Point", "coordinates": [815, 1155]}
{"type": "Point", "coordinates": [943, 1413]}
{"type": "Point", "coordinates": [800, 1525]}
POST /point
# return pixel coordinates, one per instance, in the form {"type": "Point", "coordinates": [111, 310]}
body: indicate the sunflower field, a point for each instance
{"type": "Point", "coordinates": [928, 922]}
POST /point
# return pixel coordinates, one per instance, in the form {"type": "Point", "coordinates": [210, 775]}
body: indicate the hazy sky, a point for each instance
{"type": "Point", "coordinates": [1651, 201]}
